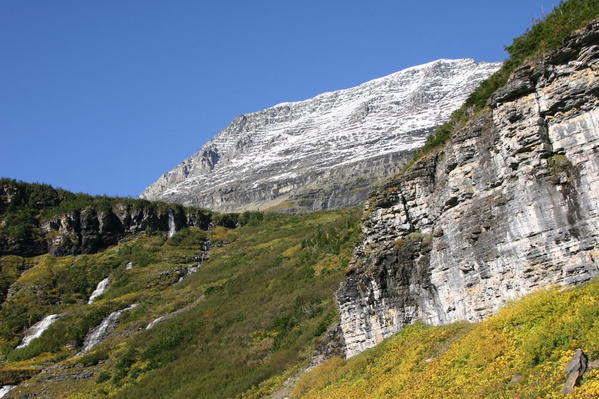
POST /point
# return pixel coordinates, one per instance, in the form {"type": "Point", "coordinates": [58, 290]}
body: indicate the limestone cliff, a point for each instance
{"type": "Point", "coordinates": [510, 205]}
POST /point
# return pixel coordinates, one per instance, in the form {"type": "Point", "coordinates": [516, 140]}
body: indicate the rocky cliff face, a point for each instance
{"type": "Point", "coordinates": [322, 153]}
{"type": "Point", "coordinates": [83, 224]}
{"type": "Point", "coordinates": [511, 204]}
{"type": "Point", "coordinates": [89, 230]}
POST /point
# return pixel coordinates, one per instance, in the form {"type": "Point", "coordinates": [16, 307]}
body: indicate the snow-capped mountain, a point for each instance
{"type": "Point", "coordinates": [324, 152]}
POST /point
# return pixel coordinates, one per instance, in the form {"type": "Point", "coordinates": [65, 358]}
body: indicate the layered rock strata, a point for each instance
{"type": "Point", "coordinates": [510, 205]}
{"type": "Point", "coordinates": [89, 230]}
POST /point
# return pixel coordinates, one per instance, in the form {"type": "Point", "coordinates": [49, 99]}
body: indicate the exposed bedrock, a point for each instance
{"type": "Point", "coordinates": [89, 230]}
{"type": "Point", "coordinates": [510, 205]}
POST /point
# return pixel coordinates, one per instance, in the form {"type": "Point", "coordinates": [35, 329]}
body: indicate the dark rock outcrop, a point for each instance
{"type": "Point", "coordinates": [88, 230]}
{"type": "Point", "coordinates": [92, 229]}
{"type": "Point", "coordinates": [331, 344]}
{"type": "Point", "coordinates": [575, 370]}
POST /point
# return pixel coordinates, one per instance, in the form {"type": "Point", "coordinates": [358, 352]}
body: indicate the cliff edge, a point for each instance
{"type": "Point", "coordinates": [509, 205]}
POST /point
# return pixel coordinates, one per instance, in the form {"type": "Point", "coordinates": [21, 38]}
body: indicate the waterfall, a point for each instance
{"type": "Point", "coordinates": [192, 269]}
{"type": "Point", "coordinates": [37, 330]}
{"type": "Point", "coordinates": [189, 271]}
{"type": "Point", "coordinates": [172, 227]}
{"type": "Point", "coordinates": [107, 326]}
{"type": "Point", "coordinates": [175, 313]}
{"type": "Point", "coordinates": [330, 199]}
{"type": "Point", "coordinates": [99, 290]}
{"type": "Point", "coordinates": [6, 389]}
{"type": "Point", "coordinates": [161, 319]}
{"type": "Point", "coordinates": [129, 266]}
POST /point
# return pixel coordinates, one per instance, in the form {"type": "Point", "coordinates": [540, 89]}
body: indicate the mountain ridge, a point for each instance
{"type": "Point", "coordinates": [296, 154]}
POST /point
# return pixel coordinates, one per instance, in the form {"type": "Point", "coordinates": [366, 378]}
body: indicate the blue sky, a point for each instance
{"type": "Point", "coordinates": [104, 96]}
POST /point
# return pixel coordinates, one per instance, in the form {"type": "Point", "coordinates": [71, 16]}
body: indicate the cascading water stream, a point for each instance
{"type": "Point", "coordinates": [172, 227]}
{"type": "Point", "coordinates": [37, 330]}
{"type": "Point", "coordinates": [6, 389]}
{"type": "Point", "coordinates": [102, 285]}
{"type": "Point", "coordinates": [175, 313]}
{"type": "Point", "coordinates": [107, 326]}
{"type": "Point", "coordinates": [195, 268]}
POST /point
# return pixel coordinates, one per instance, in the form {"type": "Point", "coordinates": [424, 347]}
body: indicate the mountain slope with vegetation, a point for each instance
{"type": "Point", "coordinates": [247, 311]}
{"type": "Point", "coordinates": [520, 352]}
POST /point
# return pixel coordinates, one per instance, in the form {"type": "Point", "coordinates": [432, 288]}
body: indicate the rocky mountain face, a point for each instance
{"type": "Point", "coordinates": [92, 224]}
{"type": "Point", "coordinates": [325, 152]}
{"type": "Point", "coordinates": [510, 205]}
{"type": "Point", "coordinates": [88, 230]}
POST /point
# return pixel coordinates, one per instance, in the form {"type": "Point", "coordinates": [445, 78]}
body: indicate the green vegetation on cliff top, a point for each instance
{"type": "Point", "coordinates": [545, 35]}
{"type": "Point", "coordinates": [46, 201]}
{"type": "Point", "coordinates": [23, 206]}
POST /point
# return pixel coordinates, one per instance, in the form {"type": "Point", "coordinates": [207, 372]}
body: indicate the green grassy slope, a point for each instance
{"type": "Point", "coordinates": [259, 304]}
{"type": "Point", "coordinates": [521, 352]}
